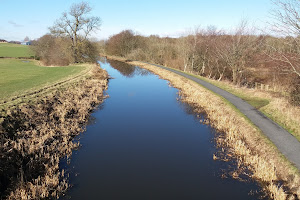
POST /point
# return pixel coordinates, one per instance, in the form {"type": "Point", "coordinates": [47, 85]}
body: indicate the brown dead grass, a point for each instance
{"type": "Point", "coordinates": [256, 157]}
{"type": "Point", "coordinates": [35, 135]}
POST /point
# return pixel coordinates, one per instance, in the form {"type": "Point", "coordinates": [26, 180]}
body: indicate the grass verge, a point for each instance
{"type": "Point", "coordinates": [274, 106]}
{"type": "Point", "coordinates": [255, 155]}
{"type": "Point", "coordinates": [257, 102]}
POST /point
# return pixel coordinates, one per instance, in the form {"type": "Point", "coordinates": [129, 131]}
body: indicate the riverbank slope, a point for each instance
{"type": "Point", "coordinates": [37, 132]}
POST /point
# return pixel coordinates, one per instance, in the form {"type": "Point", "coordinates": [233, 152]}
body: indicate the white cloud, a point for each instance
{"type": "Point", "coordinates": [14, 24]}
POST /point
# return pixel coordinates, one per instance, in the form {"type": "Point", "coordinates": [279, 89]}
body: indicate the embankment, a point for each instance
{"type": "Point", "coordinates": [35, 135]}
{"type": "Point", "coordinates": [255, 155]}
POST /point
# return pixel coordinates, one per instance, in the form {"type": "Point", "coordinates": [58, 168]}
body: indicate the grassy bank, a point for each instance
{"type": "Point", "coordinates": [272, 104]}
{"type": "Point", "coordinates": [36, 134]}
{"type": "Point", "coordinates": [20, 77]}
{"type": "Point", "coordinates": [15, 51]}
{"type": "Point", "coordinates": [256, 157]}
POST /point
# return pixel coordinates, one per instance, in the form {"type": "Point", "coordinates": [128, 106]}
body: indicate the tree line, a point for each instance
{"type": "Point", "coordinates": [240, 56]}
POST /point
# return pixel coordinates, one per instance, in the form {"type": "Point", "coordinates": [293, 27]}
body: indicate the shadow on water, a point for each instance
{"type": "Point", "coordinates": [145, 144]}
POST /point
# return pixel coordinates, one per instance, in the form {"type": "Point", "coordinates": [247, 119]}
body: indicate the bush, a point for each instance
{"type": "Point", "coordinates": [58, 51]}
{"type": "Point", "coordinates": [52, 51]}
{"type": "Point", "coordinates": [123, 43]}
{"type": "Point", "coordinates": [87, 51]}
{"type": "Point", "coordinates": [137, 54]}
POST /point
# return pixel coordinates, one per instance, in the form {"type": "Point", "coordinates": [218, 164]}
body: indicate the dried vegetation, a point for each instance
{"type": "Point", "coordinates": [255, 156]}
{"type": "Point", "coordinates": [35, 135]}
{"type": "Point", "coordinates": [272, 104]}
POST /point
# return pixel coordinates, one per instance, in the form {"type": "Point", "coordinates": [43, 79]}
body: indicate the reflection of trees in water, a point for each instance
{"type": "Point", "coordinates": [123, 68]}
{"type": "Point", "coordinates": [128, 70]}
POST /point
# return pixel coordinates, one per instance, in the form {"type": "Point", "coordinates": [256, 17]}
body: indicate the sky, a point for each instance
{"type": "Point", "coordinates": [173, 18]}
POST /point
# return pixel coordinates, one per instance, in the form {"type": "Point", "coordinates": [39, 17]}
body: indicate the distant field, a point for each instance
{"type": "Point", "coordinates": [15, 50]}
{"type": "Point", "coordinates": [19, 76]}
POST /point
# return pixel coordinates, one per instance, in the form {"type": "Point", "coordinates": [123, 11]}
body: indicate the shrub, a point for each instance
{"type": "Point", "coordinates": [57, 51]}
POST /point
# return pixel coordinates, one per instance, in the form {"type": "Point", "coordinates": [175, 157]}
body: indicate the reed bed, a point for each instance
{"type": "Point", "coordinates": [255, 155]}
{"type": "Point", "coordinates": [34, 136]}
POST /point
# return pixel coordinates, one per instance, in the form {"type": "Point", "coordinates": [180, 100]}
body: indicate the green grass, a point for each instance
{"type": "Point", "coordinates": [21, 76]}
{"type": "Point", "coordinates": [256, 102]}
{"type": "Point", "coordinates": [15, 50]}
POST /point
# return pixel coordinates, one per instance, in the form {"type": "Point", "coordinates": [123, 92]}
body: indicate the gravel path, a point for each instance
{"type": "Point", "coordinates": [287, 144]}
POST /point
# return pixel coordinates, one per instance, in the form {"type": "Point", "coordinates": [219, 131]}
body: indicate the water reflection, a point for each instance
{"type": "Point", "coordinates": [128, 70]}
{"type": "Point", "coordinates": [145, 144]}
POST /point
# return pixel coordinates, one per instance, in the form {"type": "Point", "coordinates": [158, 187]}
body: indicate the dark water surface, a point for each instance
{"type": "Point", "coordinates": [144, 144]}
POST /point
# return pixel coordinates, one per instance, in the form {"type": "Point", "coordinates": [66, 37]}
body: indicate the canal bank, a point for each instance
{"type": "Point", "coordinates": [256, 155]}
{"type": "Point", "coordinates": [35, 135]}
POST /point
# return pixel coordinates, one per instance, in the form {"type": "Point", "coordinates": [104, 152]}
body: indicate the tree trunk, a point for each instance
{"type": "Point", "coordinates": [234, 76]}
{"type": "Point", "coordinates": [192, 64]}
{"type": "Point", "coordinates": [220, 78]}
{"type": "Point", "coordinates": [203, 68]}
{"type": "Point", "coordinates": [185, 66]}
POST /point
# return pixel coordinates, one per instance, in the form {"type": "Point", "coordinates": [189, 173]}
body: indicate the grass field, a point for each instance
{"type": "Point", "coordinates": [20, 76]}
{"type": "Point", "coordinates": [15, 50]}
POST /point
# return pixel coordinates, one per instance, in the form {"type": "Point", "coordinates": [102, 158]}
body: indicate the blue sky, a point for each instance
{"type": "Point", "coordinates": [21, 18]}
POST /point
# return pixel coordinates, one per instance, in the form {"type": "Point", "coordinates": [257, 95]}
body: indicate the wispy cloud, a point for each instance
{"type": "Point", "coordinates": [14, 24]}
{"type": "Point", "coordinates": [34, 22]}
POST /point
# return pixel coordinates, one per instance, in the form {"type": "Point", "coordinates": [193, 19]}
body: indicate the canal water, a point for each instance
{"type": "Point", "coordinates": [142, 143]}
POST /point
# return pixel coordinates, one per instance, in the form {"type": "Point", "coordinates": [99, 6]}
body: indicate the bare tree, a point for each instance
{"type": "Point", "coordinates": [77, 25]}
{"type": "Point", "coordinates": [187, 47]}
{"type": "Point", "coordinates": [286, 23]}
{"type": "Point", "coordinates": [236, 50]}
{"type": "Point", "coordinates": [286, 15]}
{"type": "Point", "coordinates": [184, 51]}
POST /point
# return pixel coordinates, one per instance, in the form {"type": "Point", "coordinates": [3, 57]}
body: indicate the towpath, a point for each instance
{"type": "Point", "coordinates": [287, 144]}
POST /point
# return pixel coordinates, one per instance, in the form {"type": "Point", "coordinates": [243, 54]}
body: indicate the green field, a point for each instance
{"type": "Point", "coordinates": [15, 50]}
{"type": "Point", "coordinates": [20, 76]}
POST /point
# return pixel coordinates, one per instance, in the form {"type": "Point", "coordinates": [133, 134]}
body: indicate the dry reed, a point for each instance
{"type": "Point", "coordinates": [34, 137]}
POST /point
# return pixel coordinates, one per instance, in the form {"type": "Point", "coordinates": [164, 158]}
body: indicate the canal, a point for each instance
{"type": "Point", "coordinates": [143, 143]}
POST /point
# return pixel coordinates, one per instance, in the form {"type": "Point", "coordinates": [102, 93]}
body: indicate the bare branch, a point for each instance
{"type": "Point", "coordinates": [76, 24]}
